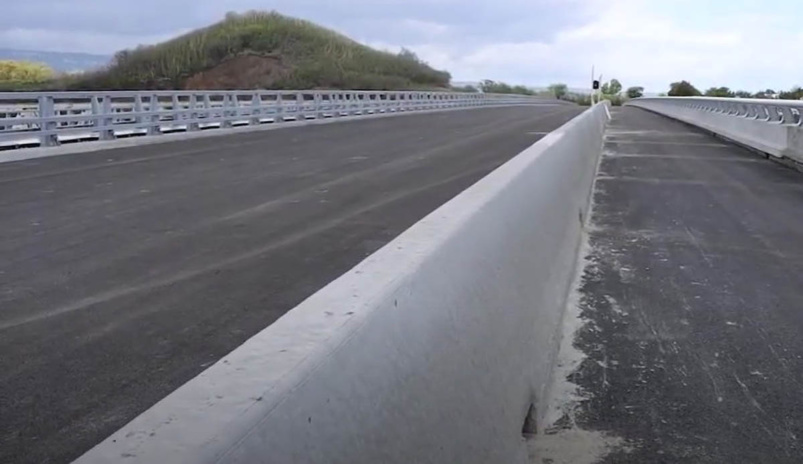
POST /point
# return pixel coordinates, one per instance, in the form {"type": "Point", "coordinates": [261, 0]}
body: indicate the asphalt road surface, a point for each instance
{"type": "Point", "coordinates": [692, 300]}
{"type": "Point", "coordinates": [124, 273]}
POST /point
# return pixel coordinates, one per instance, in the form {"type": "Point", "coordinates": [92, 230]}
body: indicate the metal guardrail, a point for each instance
{"type": "Point", "coordinates": [772, 111]}
{"type": "Point", "coordinates": [48, 119]}
{"type": "Point", "coordinates": [774, 127]}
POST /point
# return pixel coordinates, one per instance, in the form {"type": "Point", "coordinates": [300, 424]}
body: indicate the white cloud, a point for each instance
{"type": "Point", "coordinates": [425, 29]}
{"type": "Point", "coordinates": [631, 41]}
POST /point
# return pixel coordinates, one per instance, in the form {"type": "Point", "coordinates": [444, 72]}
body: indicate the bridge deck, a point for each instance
{"type": "Point", "coordinates": [692, 299]}
{"type": "Point", "coordinates": [124, 273]}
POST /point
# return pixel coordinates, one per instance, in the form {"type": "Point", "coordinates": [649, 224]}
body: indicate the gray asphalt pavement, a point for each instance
{"type": "Point", "coordinates": [124, 273]}
{"type": "Point", "coordinates": [692, 300]}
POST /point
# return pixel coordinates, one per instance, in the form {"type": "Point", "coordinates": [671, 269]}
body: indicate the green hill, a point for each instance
{"type": "Point", "coordinates": [262, 50]}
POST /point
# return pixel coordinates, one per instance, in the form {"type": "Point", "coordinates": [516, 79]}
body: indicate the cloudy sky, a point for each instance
{"type": "Point", "coordinates": [744, 44]}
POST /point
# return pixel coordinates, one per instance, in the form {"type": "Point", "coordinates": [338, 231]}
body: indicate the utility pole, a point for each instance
{"type": "Point", "coordinates": [595, 86]}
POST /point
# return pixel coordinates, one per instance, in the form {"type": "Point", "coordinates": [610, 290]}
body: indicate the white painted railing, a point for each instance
{"type": "Point", "coordinates": [771, 126]}
{"type": "Point", "coordinates": [48, 119]}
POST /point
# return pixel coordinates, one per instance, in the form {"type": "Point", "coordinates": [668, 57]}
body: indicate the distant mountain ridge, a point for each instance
{"type": "Point", "coordinates": [59, 61]}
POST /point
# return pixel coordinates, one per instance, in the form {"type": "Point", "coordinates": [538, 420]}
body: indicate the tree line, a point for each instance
{"type": "Point", "coordinates": [686, 89]}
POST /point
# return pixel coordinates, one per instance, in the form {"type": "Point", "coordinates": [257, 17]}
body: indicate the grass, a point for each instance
{"type": "Point", "coordinates": [315, 57]}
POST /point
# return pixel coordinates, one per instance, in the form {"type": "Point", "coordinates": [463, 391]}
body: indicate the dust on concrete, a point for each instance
{"type": "Point", "coordinates": [561, 440]}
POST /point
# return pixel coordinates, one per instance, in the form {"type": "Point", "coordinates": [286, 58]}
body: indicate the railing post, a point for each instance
{"type": "Point", "coordinates": [300, 106]}
{"type": "Point", "coordinates": [47, 125]}
{"type": "Point", "coordinates": [256, 105]}
{"type": "Point", "coordinates": [318, 98]}
{"type": "Point", "coordinates": [97, 120]}
{"type": "Point", "coordinates": [765, 113]}
{"type": "Point", "coordinates": [772, 111]}
{"type": "Point", "coordinates": [175, 106]}
{"type": "Point", "coordinates": [155, 127]}
{"type": "Point", "coordinates": [101, 112]}
{"type": "Point", "coordinates": [335, 102]}
{"type": "Point", "coordinates": [207, 105]}
{"type": "Point", "coordinates": [138, 109]}
{"type": "Point", "coordinates": [109, 118]}
{"type": "Point", "coordinates": [788, 116]}
{"type": "Point", "coordinates": [279, 108]}
{"type": "Point", "coordinates": [225, 122]}
{"type": "Point", "coordinates": [192, 103]}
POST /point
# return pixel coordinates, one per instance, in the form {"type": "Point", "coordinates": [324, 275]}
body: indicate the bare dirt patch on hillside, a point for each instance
{"type": "Point", "coordinates": [241, 72]}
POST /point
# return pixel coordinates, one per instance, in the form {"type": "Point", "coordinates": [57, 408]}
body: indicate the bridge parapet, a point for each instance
{"type": "Point", "coordinates": [48, 119]}
{"type": "Point", "coordinates": [774, 127]}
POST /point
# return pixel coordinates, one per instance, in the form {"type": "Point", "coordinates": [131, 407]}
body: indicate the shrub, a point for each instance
{"type": "Point", "coordinates": [23, 73]}
{"type": "Point", "coordinates": [559, 90]}
{"type": "Point", "coordinates": [635, 92]}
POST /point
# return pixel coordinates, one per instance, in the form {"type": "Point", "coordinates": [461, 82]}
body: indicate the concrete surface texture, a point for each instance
{"type": "Point", "coordinates": [432, 350]}
{"type": "Point", "coordinates": [124, 273]}
{"type": "Point", "coordinates": [690, 302]}
{"type": "Point", "coordinates": [782, 140]}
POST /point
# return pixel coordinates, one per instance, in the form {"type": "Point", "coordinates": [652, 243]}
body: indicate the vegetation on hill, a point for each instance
{"type": "Point", "coordinates": [289, 52]}
{"type": "Point", "coordinates": [489, 86]}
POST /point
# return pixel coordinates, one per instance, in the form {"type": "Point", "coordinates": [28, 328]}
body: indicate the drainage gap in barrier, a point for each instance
{"type": "Point", "coordinates": [530, 427]}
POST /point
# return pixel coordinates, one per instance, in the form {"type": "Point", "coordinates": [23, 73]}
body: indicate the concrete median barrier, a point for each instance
{"type": "Point", "coordinates": [435, 349]}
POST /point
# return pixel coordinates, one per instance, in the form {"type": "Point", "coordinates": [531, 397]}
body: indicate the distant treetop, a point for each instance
{"type": "Point", "coordinates": [683, 89]}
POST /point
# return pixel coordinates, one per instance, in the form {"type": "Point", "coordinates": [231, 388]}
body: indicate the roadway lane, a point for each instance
{"type": "Point", "coordinates": [692, 300]}
{"type": "Point", "coordinates": [125, 273]}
